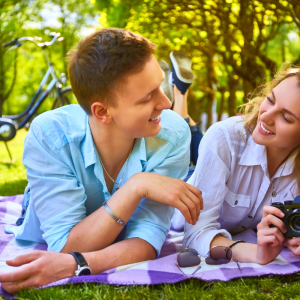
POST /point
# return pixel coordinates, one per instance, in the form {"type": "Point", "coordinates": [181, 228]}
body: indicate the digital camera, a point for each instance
{"type": "Point", "coordinates": [291, 220]}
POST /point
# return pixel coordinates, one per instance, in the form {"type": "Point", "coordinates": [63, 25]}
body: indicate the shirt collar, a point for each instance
{"type": "Point", "coordinates": [88, 147]}
{"type": "Point", "coordinates": [137, 158]}
{"type": "Point", "coordinates": [135, 165]}
{"type": "Point", "coordinates": [288, 167]}
{"type": "Point", "coordinates": [255, 154]}
{"type": "Point", "coordinates": [89, 152]}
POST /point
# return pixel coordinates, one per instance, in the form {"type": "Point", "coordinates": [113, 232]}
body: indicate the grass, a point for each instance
{"type": "Point", "coordinates": [12, 173]}
{"type": "Point", "coordinates": [13, 181]}
{"type": "Point", "coordinates": [277, 287]}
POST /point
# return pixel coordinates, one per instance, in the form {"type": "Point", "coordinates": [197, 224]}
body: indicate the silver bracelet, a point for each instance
{"type": "Point", "coordinates": [120, 221]}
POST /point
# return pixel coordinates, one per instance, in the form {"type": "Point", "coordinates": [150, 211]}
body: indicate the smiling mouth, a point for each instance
{"type": "Point", "coordinates": [266, 130]}
{"type": "Point", "coordinates": [155, 119]}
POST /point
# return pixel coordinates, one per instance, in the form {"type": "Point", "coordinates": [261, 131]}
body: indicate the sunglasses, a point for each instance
{"type": "Point", "coordinates": [218, 255]}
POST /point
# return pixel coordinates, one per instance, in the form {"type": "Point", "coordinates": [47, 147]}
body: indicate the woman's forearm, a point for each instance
{"type": "Point", "coordinates": [243, 252]}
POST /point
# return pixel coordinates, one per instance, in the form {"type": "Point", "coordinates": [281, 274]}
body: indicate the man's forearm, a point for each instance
{"type": "Point", "coordinates": [122, 253]}
{"type": "Point", "coordinates": [99, 230]}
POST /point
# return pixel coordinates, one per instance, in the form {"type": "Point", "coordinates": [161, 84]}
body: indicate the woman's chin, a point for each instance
{"type": "Point", "coordinates": [257, 137]}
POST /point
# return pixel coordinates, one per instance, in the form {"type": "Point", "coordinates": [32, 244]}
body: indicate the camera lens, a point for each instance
{"type": "Point", "coordinates": [294, 222]}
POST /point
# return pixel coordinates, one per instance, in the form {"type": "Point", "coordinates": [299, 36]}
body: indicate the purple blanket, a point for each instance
{"type": "Point", "coordinates": [161, 270]}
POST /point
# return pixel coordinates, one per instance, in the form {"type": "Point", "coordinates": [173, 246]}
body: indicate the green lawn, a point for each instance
{"type": "Point", "coordinates": [13, 181]}
{"type": "Point", "coordinates": [12, 173]}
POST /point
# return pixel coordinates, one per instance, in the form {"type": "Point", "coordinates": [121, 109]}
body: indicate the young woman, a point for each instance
{"type": "Point", "coordinates": [246, 163]}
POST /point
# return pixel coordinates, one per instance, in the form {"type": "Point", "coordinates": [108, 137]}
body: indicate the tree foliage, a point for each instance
{"type": "Point", "coordinates": [229, 41]}
{"type": "Point", "coordinates": [11, 18]}
{"type": "Point", "coordinates": [20, 78]}
{"type": "Point", "coordinates": [234, 44]}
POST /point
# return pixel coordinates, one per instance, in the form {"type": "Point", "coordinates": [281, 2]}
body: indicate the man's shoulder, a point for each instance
{"type": "Point", "coordinates": [63, 125]}
{"type": "Point", "coordinates": [173, 127]}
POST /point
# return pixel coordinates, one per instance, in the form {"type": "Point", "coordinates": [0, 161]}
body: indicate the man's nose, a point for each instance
{"type": "Point", "coordinates": [163, 102]}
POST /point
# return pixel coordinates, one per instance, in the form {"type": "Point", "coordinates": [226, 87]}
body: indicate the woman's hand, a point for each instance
{"type": "Point", "coordinates": [42, 267]}
{"type": "Point", "coordinates": [293, 244]}
{"type": "Point", "coordinates": [170, 191]}
{"type": "Point", "coordinates": [270, 239]}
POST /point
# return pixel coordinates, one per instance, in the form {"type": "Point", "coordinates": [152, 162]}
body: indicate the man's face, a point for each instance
{"type": "Point", "coordinates": [140, 102]}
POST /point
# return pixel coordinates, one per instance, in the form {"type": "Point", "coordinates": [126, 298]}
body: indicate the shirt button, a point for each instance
{"type": "Point", "coordinates": [250, 217]}
{"type": "Point", "coordinates": [236, 202]}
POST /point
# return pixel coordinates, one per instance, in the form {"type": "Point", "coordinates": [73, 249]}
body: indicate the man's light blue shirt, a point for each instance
{"type": "Point", "coordinates": [66, 179]}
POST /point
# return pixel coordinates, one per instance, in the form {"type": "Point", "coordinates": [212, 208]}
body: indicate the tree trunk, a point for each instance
{"type": "Point", "coordinates": [222, 104]}
{"type": "Point", "coordinates": [1, 81]}
{"type": "Point", "coordinates": [247, 87]}
{"type": "Point", "coordinates": [232, 84]}
{"type": "Point", "coordinates": [194, 107]}
{"type": "Point", "coordinates": [211, 81]}
{"type": "Point", "coordinates": [1, 105]}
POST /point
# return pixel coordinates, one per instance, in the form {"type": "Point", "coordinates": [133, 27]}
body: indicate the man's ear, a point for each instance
{"type": "Point", "coordinates": [101, 113]}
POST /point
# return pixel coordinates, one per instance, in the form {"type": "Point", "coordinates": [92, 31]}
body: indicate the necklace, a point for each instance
{"type": "Point", "coordinates": [115, 182]}
{"type": "Point", "coordinates": [274, 192]}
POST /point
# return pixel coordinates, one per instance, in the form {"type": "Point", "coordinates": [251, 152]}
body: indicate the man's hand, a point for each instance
{"type": "Point", "coordinates": [170, 191]}
{"type": "Point", "coordinates": [42, 267]}
{"type": "Point", "coordinates": [270, 240]}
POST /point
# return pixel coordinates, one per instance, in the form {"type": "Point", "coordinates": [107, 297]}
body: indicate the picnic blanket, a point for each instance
{"type": "Point", "coordinates": [161, 270]}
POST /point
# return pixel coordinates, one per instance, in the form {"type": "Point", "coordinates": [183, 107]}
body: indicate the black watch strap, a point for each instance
{"type": "Point", "coordinates": [79, 258]}
{"type": "Point", "coordinates": [239, 241]}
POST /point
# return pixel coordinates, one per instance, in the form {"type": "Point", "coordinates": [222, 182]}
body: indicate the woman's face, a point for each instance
{"type": "Point", "coordinates": [278, 124]}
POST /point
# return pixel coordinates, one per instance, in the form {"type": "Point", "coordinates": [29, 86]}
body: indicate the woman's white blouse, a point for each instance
{"type": "Point", "coordinates": [235, 185]}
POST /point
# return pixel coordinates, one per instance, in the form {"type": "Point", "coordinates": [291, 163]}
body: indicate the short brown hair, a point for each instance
{"type": "Point", "coordinates": [101, 60]}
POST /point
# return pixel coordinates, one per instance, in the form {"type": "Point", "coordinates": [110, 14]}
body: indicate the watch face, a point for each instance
{"type": "Point", "coordinates": [85, 271]}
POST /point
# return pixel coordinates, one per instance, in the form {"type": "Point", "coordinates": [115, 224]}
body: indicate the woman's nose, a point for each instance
{"type": "Point", "coordinates": [267, 116]}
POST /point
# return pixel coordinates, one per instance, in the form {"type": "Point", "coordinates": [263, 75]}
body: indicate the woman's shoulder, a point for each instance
{"type": "Point", "coordinates": [227, 134]}
{"type": "Point", "coordinates": [231, 126]}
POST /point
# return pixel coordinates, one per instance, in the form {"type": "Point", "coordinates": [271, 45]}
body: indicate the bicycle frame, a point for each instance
{"type": "Point", "coordinates": [9, 124]}
{"type": "Point", "coordinates": [38, 99]}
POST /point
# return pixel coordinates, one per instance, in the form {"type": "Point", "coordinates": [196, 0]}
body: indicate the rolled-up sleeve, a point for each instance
{"type": "Point", "coordinates": [210, 176]}
{"type": "Point", "coordinates": [151, 220]}
{"type": "Point", "coordinates": [57, 196]}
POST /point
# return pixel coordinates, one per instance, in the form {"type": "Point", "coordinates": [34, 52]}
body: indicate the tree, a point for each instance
{"type": "Point", "coordinates": [73, 16]}
{"type": "Point", "coordinates": [228, 39]}
{"type": "Point", "coordinates": [70, 18]}
{"type": "Point", "coordinates": [11, 18]}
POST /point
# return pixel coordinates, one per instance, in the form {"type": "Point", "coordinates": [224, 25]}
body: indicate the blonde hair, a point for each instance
{"type": "Point", "coordinates": [250, 110]}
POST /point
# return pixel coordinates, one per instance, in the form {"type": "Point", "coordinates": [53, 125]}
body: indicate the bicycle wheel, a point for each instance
{"type": "Point", "coordinates": [66, 97]}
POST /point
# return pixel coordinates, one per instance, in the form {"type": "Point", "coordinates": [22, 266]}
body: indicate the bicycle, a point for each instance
{"type": "Point", "coordinates": [10, 124]}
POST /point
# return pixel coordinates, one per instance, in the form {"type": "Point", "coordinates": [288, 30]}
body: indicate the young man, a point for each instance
{"type": "Point", "coordinates": [95, 167]}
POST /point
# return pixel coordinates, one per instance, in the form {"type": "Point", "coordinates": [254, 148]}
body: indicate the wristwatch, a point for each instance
{"type": "Point", "coordinates": [83, 266]}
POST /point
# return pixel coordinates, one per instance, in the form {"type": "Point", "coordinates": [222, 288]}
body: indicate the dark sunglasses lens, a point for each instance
{"type": "Point", "coordinates": [188, 258]}
{"type": "Point", "coordinates": [219, 256]}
